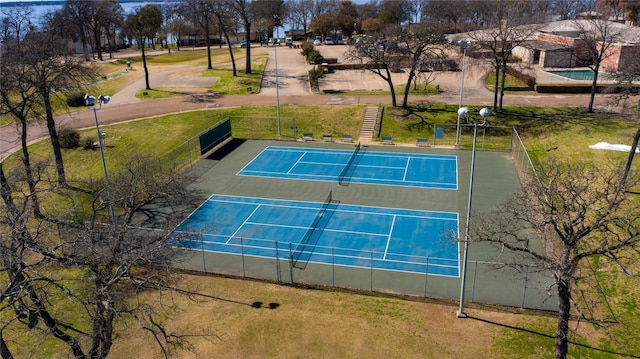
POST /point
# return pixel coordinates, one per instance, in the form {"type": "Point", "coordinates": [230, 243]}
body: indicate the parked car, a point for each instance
{"type": "Point", "coordinates": [201, 44]}
{"type": "Point", "coordinates": [243, 44]}
{"type": "Point", "coordinates": [444, 65]}
{"type": "Point", "coordinates": [328, 41]}
{"type": "Point", "coordinates": [317, 42]}
{"type": "Point", "coordinates": [288, 41]}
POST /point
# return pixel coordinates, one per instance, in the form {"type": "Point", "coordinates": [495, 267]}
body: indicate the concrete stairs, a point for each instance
{"type": "Point", "coordinates": [368, 125]}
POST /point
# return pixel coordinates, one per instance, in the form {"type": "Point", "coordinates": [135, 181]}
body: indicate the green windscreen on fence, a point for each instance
{"type": "Point", "coordinates": [215, 135]}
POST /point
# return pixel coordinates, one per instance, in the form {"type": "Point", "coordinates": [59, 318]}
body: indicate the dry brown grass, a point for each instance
{"type": "Point", "coordinates": [308, 323]}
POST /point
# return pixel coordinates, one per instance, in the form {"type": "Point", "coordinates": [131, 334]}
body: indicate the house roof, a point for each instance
{"type": "Point", "coordinates": [543, 45]}
{"type": "Point", "coordinates": [621, 33]}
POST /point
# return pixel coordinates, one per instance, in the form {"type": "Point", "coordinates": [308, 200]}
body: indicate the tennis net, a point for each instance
{"type": "Point", "coordinates": [306, 242]}
{"type": "Point", "coordinates": [345, 170]}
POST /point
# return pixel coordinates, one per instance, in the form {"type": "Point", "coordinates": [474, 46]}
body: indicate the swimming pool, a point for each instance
{"type": "Point", "coordinates": [574, 74]}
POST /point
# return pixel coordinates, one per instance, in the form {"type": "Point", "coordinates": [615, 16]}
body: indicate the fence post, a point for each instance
{"type": "Point", "coordinates": [242, 255]}
{"type": "Point", "coordinates": [473, 287]}
{"type": "Point", "coordinates": [524, 289]}
{"type": "Point", "coordinates": [204, 262]}
{"type": "Point", "coordinates": [426, 277]}
{"type": "Point", "coordinates": [277, 263]}
{"type": "Point", "coordinates": [290, 263]}
{"type": "Point", "coordinates": [371, 275]}
{"type": "Point", "coordinates": [333, 267]}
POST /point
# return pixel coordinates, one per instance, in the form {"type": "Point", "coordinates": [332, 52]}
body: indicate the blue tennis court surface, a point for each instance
{"type": "Point", "coordinates": [383, 168]}
{"type": "Point", "coordinates": [349, 235]}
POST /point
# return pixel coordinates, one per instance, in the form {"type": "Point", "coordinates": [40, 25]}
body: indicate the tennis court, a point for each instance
{"type": "Point", "coordinates": [325, 232]}
{"type": "Point", "coordinates": [358, 166]}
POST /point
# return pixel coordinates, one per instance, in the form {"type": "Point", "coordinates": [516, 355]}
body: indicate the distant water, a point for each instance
{"type": "Point", "coordinates": [40, 8]}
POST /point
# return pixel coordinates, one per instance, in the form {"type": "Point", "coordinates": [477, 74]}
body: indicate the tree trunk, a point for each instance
{"type": "Point", "coordinates": [247, 31]}
{"type": "Point", "coordinates": [207, 33]}
{"type": "Point", "coordinates": [144, 65]}
{"type": "Point", "coordinates": [495, 90]}
{"type": "Point", "coordinates": [96, 37]}
{"type": "Point", "coordinates": [504, 78]}
{"type": "Point", "coordinates": [627, 167]}
{"type": "Point", "coordinates": [564, 310]}
{"type": "Point", "coordinates": [85, 48]}
{"type": "Point", "coordinates": [594, 87]}
{"type": "Point", "coordinates": [394, 103]}
{"type": "Point", "coordinates": [233, 60]}
{"type": "Point", "coordinates": [407, 88]}
{"type": "Point", "coordinates": [5, 353]}
{"type": "Point", "coordinates": [53, 134]}
{"type": "Point", "coordinates": [26, 160]}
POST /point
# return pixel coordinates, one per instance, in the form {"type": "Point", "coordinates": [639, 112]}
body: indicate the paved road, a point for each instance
{"type": "Point", "coordinates": [292, 90]}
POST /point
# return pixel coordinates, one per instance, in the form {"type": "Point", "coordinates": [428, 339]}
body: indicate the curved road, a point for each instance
{"type": "Point", "coordinates": [292, 89]}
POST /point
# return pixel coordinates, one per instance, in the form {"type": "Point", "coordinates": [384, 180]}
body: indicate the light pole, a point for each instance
{"type": "Point", "coordinates": [90, 101]}
{"type": "Point", "coordinates": [464, 45]}
{"type": "Point", "coordinates": [462, 112]}
{"type": "Point", "coordinates": [484, 113]}
{"type": "Point", "coordinates": [275, 55]}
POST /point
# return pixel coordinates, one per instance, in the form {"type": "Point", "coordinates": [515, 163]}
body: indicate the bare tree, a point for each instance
{"type": "Point", "coordinates": [146, 23]}
{"type": "Point", "coordinates": [420, 44]}
{"type": "Point", "coordinates": [566, 217]}
{"type": "Point", "coordinates": [21, 101]}
{"type": "Point", "coordinates": [223, 12]}
{"type": "Point", "coordinates": [15, 23]}
{"type": "Point", "coordinates": [202, 13]}
{"type": "Point", "coordinates": [177, 25]}
{"type": "Point", "coordinates": [376, 57]}
{"type": "Point", "coordinates": [118, 261]}
{"type": "Point", "coordinates": [594, 44]}
{"type": "Point", "coordinates": [104, 15]}
{"type": "Point", "coordinates": [41, 67]}
{"type": "Point", "coordinates": [75, 15]}
{"type": "Point", "coordinates": [300, 13]}
{"type": "Point", "coordinates": [243, 9]}
{"type": "Point", "coordinates": [509, 27]}
{"type": "Point", "coordinates": [565, 8]}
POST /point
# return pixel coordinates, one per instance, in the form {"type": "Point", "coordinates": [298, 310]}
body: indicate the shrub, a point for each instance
{"type": "Point", "coordinates": [307, 47]}
{"type": "Point", "coordinates": [88, 143]}
{"type": "Point", "coordinates": [68, 138]}
{"type": "Point", "coordinates": [314, 74]}
{"type": "Point", "coordinates": [312, 55]}
{"type": "Point", "coordinates": [76, 100]}
{"type": "Point", "coordinates": [315, 57]}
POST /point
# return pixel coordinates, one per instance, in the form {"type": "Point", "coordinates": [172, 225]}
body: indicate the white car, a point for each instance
{"type": "Point", "coordinates": [328, 41]}
{"type": "Point", "coordinates": [317, 42]}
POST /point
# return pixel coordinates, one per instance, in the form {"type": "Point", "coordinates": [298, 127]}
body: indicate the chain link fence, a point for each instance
{"type": "Point", "coordinates": [487, 282]}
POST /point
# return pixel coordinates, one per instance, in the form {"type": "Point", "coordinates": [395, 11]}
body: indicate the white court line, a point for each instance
{"type": "Point", "coordinates": [243, 223]}
{"type": "Point", "coordinates": [406, 169]}
{"type": "Point", "coordinates": [297, 161]}
{"type": "Point", "coordinates": [386, 248]}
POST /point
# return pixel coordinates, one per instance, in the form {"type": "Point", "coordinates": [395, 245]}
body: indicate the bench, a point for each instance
{"type": "Point", "coordinates": [422, 142]}
{"type": "Point", "coordinates": [327, 138]}
{"type": "Point", "coordinates": [307, 136]}
{"type": "Point", "coordinates": [347, 138]}
{"type": "Point", "coordinates": [386, 140]}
